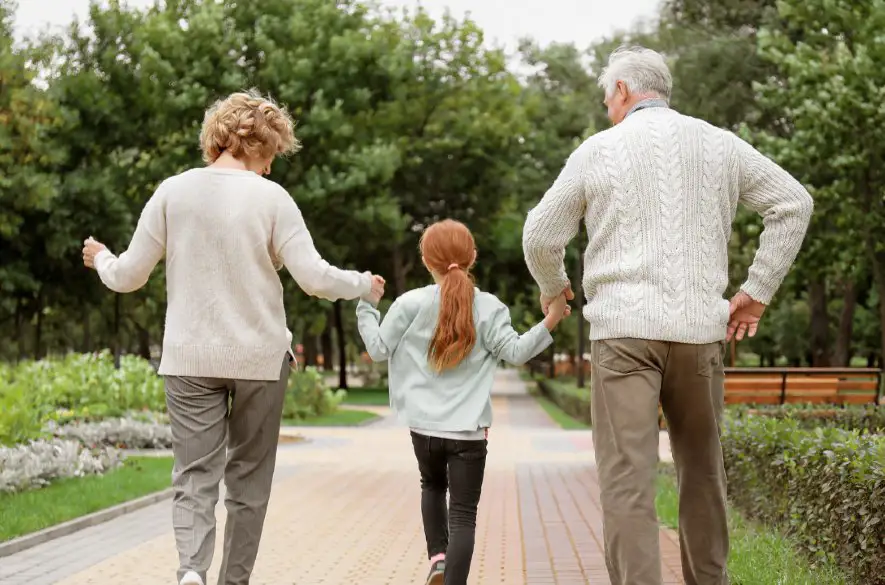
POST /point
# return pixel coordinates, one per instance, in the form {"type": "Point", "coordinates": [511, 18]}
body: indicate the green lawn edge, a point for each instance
{"type": "Point", "coordinates": [27, 512]}
{"type": "Point", "coordinates": [559, 416]}
{"type": "Point", "coordinates": [343, 417]}
{"type": "Point", "coordinates": [758, 554]}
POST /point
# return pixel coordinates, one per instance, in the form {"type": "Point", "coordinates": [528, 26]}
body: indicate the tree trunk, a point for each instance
{"type": "Point", "coordinates": [579, 297]}
{"type": "Point", "coordinates": [399, 271]}
{"type": "Point", "coordinates": [342, 346]}
{"type": "Point", "coordinates": [310, 348]}
{"type": "Point", "coordinates": [38, 329]}
{"type": "Point", "coordinates": [87, 334]}
{"type": "Point", "coordinates": [879, 276]}
{"type": "Point", "coordinates": [20, 330]}
{"type": "Point", "coordinates": [552, 365]}
{"type": "Point", "coordinates": [327, 346]}
{"type": "Point", "coordinates": [118, 346]}
{"type": "Point", "coordinates": [144, 341]}
{"type": "Point", "coordinates": [820, 324]}
{"type": "Point", "coordinates": [842, 351]}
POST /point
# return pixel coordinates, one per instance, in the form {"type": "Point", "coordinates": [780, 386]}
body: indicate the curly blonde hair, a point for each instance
{"type": "Point", "coordinates": [248, 125]}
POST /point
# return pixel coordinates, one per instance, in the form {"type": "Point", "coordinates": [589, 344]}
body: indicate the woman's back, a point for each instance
{"type": "Point", "coordinates": [225, 301]}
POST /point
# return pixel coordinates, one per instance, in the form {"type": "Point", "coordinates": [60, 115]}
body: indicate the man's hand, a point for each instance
{"type": "Point", "coordinates": [569, 296]}
{"type": "Point", "coordinates": [745, 314]}
{"type": "Point", "coordinates": [91, 248]}
{"type": "Point", "coordinates": [377, 289]}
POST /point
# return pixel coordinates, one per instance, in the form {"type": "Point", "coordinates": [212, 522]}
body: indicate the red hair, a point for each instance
{"type": "Point", "coordinates": [449, 251]}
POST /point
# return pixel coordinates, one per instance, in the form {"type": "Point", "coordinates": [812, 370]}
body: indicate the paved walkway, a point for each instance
{"type": "Point", "coordinates": [345, 510]}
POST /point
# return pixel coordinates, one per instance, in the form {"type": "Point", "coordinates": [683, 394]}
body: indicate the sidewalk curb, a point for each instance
{"type": "Point", "coordinates": [27, 541]}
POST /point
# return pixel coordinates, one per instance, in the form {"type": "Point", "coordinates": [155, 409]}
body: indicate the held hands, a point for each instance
{"type": "Point", "coordinates": [377, 291]}
{"type": "Point", "coordinates": [745, 314]}
{"type": "Point", "coordinates": [567, 293]}
{"type": "Point", "coordinates": [556, 310]}
{"type": "Point", "coordinates": [91, 248]}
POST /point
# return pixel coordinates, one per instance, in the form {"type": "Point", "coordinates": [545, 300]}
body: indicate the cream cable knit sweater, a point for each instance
{"type": "Point", "coordinates": [658, 193]}
{"type": "Point", "coordinates": [225, 233]}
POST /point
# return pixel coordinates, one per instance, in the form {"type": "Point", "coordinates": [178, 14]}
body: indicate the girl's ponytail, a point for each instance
{"type": "Point", "coordinates": [448, 250]}
{"type": "Point", "coordinates": [455, 333]}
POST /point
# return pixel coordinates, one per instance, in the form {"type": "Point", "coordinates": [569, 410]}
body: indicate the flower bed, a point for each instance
{"type": "Point", "coordinates": [39, 463]}
{"type": "Point", "coordinates": [825, 487]}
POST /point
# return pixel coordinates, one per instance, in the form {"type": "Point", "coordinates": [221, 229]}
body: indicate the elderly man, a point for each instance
{"type": "Point", "coordinates": [658, 193]}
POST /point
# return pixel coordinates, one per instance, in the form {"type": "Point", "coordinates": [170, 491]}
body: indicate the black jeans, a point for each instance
{"type": "Point", "coordinates": [459, 467]}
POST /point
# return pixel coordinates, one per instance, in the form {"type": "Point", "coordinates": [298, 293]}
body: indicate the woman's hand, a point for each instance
{"type": "Point", "coordinates": [377, 289]}
{"type": "Point", "coordinates": [91, 248]}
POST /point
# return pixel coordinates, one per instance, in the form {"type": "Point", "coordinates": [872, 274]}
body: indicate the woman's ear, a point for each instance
{"type": "Point", "coordinates": [475, 255]}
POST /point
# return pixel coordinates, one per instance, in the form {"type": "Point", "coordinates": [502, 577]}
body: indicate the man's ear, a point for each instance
{"type": "Point", "coordinates": [622, 90]}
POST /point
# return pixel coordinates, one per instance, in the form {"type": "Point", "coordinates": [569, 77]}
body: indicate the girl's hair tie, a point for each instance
{"type": "Point", "coordinates": [452, 266]}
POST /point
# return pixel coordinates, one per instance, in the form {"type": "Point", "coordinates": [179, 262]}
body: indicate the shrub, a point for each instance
{"type": "Point", "coordinates": [140, 431]}
{"type": "Point", "coordinates": [76, 387]}
{"type": "Point", "coordinates": [38, 463]}
{"type": "Point", "coordinates": [307, 395]}
{"type": "Point", "coordinates": [825, 487]}
{"type": "Point", "coordinates": [868, 418]}
{"type": "Point", "coordinates": [572, 400]}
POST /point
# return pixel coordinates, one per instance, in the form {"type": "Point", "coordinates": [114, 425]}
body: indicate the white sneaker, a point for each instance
{"type": "Point", "coordinates": [191, 578]}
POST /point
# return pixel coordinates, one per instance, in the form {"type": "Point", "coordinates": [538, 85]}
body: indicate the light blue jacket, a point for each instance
{"type": "Point", "coordinates": [458, 399]}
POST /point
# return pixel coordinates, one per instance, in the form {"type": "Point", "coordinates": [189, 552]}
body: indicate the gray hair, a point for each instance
{"type": "Point", "coordinates": [643, 71]}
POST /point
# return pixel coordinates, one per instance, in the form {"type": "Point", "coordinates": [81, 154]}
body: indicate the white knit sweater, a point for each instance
{"type": "Point", "coordinates": [225, 233]}
{"type": "Point", "coordinates": [658, 193]}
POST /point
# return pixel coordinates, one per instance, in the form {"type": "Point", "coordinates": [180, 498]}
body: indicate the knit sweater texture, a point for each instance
{"type": "Point", "coordinates": [225, 233]}
{"type": "Point", "coordinates": [658, 194]}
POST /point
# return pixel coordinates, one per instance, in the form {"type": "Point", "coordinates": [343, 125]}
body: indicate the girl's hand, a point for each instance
{"type": "Point", "coordinates": [557, 309]}
{"type": "Point", "coordinates": [377, 290]}
{"type": "Point", "coordinates": [91, 248]}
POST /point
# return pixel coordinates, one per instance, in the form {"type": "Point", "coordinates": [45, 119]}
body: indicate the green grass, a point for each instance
{"type": "Point", "coordinates": [66, 499]}
{"type": "Point", "coordinates": [340, 418]}
{"type": "Point", "coordinates": [559, 416]}
{"type": "Point", "coordinates": [759, 555]}
{"type": "Point", "coordinates": [367, 397]}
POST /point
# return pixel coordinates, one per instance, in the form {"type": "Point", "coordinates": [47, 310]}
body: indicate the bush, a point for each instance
{"type": "Point", "coordinates": [867, 419]}
{"type": "Point", "coordinates": [825, 487]}
{"type": "Point", "coordinates": [141, 431]}
{"type": "Point", "coordinates": [307, 396]}
{"type": "Point", "coordinates": [76, 387]}
{"type": "Point", "coordinates": [572, 400]}
{"type": "Point", "coordinates": [39, 463]}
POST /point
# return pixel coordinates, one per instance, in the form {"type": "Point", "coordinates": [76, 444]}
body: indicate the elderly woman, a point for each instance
{"type": "Point", "coordinates": [225, 231]}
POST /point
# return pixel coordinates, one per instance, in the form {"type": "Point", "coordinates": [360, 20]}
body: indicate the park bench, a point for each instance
{"type": "Point", "coordinates": [802, 385]}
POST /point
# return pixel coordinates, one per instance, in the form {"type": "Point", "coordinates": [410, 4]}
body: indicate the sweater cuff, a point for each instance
{"type": "Point", "coordinates": [101, 259]}
{"type": "Point", "coordinates": [365, 285]}
{"type": "Point", "coordinates": [758, 291]}
{"type": "Point", "coordinates": [364, 306]}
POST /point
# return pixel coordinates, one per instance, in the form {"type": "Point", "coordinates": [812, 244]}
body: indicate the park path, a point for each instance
{"type": "Point", "coordinates": [345, 510]}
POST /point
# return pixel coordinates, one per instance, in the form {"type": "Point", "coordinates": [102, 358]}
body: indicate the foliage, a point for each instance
{"type": "Point", "coordinates": [75, 387]}
{"type": "Point", "coordinates": [150, 431]}
{"type": "Point", "coordinates": [864, 419]}
{"type": "Point", "coordinates": [406, 119]}
{"type": "Point", "coordinates": [572, 400]}
{"type": "Point", "coordinates": [38, 463]}
{"type": "Point", "coordinates": [308, 396]}
{"type": "Point", "coordinates": [757, 553]}
{"type": "Point", "coordinates": [824, 487]}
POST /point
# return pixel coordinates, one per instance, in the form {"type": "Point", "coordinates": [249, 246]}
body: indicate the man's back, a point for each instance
{"type": "Point", "coordinates": [658, 193]}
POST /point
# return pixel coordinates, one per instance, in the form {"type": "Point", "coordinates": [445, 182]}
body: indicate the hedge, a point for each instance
{"type": "Point", "coordinates": [824, 487]}
{"type": "Point", "coordinates": [571, 399]}
{"type": "Point", "coordinates": [867, 419]}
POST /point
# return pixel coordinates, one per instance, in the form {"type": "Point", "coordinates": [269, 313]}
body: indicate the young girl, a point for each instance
{"type": "Point", "coordinates": [444, 342]}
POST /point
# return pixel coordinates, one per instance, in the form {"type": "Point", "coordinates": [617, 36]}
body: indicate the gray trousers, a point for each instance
{"type": "Point", "coordinates": [226, 428]}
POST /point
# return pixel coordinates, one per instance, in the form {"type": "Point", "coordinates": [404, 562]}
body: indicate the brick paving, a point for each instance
{"type": "Point", "coordinates": [345, 510]}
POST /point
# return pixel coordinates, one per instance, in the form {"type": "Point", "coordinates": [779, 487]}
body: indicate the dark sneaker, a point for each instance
{"type": "Point", "coordinates": [437, 574]}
